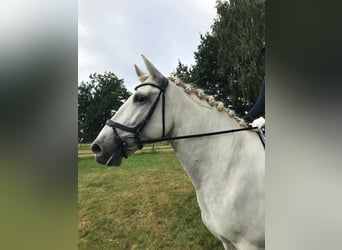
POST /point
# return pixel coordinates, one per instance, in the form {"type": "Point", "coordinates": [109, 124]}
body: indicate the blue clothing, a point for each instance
{"type": "Point", "coordinates": [258, 108]}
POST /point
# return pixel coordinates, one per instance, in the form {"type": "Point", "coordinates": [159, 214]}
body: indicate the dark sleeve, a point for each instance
{"type": "Point", "coordinates": [258, 108]}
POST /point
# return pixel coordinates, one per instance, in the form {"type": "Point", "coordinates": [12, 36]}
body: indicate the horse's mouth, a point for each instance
{"type": "Point", "coordinates": [115, 159]}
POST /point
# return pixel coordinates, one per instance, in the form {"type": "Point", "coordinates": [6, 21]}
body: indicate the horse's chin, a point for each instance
{"type": "Point", "coordinates": [114, 160]}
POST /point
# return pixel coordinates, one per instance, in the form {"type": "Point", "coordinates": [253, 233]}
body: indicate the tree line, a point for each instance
{"type": "Point", "coordinates": [228, 65]}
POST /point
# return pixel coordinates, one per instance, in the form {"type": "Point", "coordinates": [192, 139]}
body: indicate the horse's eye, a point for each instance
{"type": "Point", "coordinates": [139, 98]}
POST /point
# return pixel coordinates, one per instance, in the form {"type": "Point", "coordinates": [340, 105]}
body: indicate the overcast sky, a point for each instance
{"type": "Point", "coordinates": [114, 33]}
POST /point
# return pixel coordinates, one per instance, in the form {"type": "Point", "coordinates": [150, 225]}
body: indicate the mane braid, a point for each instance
{"type": "Point", "coordinates": [190, 89]}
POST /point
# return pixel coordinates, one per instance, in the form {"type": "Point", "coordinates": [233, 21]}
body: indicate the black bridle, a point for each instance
{"type": "Point", "coordinates": [136, 130]}
{"type": "Point", "coordinates": [140, 126]}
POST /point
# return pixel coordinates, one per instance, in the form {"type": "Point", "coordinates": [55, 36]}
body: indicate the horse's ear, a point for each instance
{"type": "Point", "coordinates": [152, 70]}
{"type": "Point", "coordinates": [140, 73]}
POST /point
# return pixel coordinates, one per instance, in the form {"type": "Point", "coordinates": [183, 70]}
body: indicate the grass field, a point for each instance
{"type": "Point", "coordinates": [147, 203]}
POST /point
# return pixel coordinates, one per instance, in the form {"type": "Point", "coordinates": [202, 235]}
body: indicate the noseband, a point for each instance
{"type": "Point", "coordinates": [137, 129]}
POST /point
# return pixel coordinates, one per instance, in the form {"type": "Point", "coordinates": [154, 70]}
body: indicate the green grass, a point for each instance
{"type": "Point", "coordinates": [147, 203]}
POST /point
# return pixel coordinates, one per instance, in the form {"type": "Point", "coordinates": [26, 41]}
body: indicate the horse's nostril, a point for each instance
{"type": "Point", "coordinates": [96, 148]}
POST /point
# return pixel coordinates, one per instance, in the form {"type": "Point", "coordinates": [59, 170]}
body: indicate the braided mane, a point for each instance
{"type": "Point", "coordinates": [189, 89]}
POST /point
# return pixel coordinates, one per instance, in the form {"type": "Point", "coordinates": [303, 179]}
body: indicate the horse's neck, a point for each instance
{"type": "Point", "coordinates": [206, 157]}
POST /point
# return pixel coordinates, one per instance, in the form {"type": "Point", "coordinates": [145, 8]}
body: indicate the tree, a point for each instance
{"type": "Point", "coordinates": [240, 32]}
{"type": "Point", "coordinates": [98, 100]}
{"type": "Point", "coordinates": [228, 62]}
{"type": "Point", "coordinates": [183, 72]}
{"type": "Point", "coordinates": [85, 100]}
{"type": "Point", "coordinates": [206, 71]}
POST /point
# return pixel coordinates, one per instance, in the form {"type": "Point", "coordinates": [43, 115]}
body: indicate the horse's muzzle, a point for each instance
{"type": "Point", "coordinates": [112, 157]}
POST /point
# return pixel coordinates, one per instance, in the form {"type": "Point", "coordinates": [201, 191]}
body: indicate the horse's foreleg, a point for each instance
{"type": "Point", "coordinates": [248, 246]}
{"type": "Point", "coordinates": [227, 244]}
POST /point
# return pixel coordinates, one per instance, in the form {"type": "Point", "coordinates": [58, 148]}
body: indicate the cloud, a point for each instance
{"type": "Point", "coordinates": [113, 34]}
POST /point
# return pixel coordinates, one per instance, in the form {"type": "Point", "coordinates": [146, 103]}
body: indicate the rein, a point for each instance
{"type": "Point", "coordinates": [136, 130]}
{"type": "Point", "coordinates": [197, 135]}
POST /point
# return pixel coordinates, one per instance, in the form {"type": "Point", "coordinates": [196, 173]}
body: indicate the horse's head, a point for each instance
{"type": "Point", "coordinates": [141, 117]}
